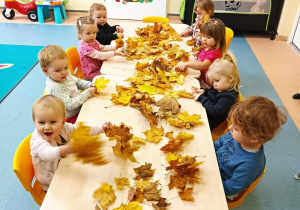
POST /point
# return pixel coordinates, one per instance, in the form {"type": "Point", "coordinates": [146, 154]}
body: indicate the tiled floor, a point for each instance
{"type": "Point", "coordinates": [279, 60]}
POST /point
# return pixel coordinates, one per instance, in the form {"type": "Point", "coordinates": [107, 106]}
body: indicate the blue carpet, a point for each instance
{"type": "Point", "coordinates": [277, 190]}
{"type": "Point", "coordinates": [21, 58]}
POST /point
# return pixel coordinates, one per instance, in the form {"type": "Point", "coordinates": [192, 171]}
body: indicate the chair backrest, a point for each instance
{"type": "Point", "coordinates": [23, 168]}
{"type": "Point", "coordinates": [241, 197]}
{"type": "Point", "coordinates": [153, 19]}
{"type": "Point", "coordinates": [74, 62]}
{"type": "Point", "coordinates": [228, 37]}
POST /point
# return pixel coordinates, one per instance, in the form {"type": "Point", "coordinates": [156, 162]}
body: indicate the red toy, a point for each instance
{"type": "Point", "coordinates": [29, 9]}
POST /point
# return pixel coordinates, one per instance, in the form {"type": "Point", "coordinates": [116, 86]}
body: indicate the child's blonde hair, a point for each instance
{"type": "Point", "coordinates": [50, 53]}
{"type": "Point", "coordinates": [258, 117]}
{"type": "Point", "coordinates": [206, 5]}
{"type": "Point", "coordinates": [96, 6]}
{"type": "Point", "coordinates": [49, 101]}
{"type": "Point", "coordinates": [216, 29]}
{"type": "Point", "coordinates": [83, 21]}
{"type": "Point", "coordinates": [226, 66]}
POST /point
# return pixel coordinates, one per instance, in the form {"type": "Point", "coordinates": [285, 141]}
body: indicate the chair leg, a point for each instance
{"type": "Point", "coordinates": [40, 14]}
{"type": "Point", "coordinates": [57, 15]}
{"type": "Point", "coordinates": [63, 11]}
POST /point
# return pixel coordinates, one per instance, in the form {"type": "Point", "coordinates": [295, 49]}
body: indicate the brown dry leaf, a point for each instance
{"type": "Point", "coordinates": [154, 134]}
{"type": "Point", "coordinates": [144, 172]}
{"type": "Point", "coordinates": [87, 148]}
{"type": "Point", "coordinates": [186, 194]}
{"type": "Point", "coordinates": [100, 83]}
{"type": "Point", "coordinates": [161, 204]}
{"type": "Point", "coordinates": [142, 184]}
{"type": "Point", "coordinates": [191, 42]}
{"type": "Point", "coordinates": [168, 103]}
{"type": "Point", "coordinates": [148, 112]}
{"type": "Point", "coordinates": [151, 193]}
{"type": "Point", "coordinates": [105, 194]}
{"type": "Point", "coordinates": [131, 206]}
{"type": "Point", "coordinates": [136, 100]}
{"type": "Point", "coordinates": [120, 182]}
{"type": "Point", "coordinates": [172, 145]}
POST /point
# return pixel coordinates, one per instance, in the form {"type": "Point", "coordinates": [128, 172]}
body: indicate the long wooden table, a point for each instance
{"type": "Point", "coordinates": [74, 183]}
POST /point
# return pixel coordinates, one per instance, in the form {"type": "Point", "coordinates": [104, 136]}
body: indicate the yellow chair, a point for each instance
{"type": "Point", "coordinates": [153, 19]}
{"type": "Point", "coordinates": [23, 168]}
{"type": "Point", "coordinates": [74, 62]}
{"type": "Point", "coordinates": [228, 37]}
{"type": "Point", "coordinates": [237, 201]}
{"type": "Point", "coordinates": [223, 127]}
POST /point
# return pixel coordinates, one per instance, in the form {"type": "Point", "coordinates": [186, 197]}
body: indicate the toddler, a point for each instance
{"type": "Point", "coordinates": [90, 51]}
{"type": "Point", "coordinates": [224, 76]}
{"type": "Point", "coordinates": [240, 152]}
{"type": "Point", "coordinates": [213, 45]}
{"type": "Point", "coordinates": [54, 62]}
{"type": "Point", "coordinates": [49, 114]}
{"type": "Point", "coordinates": [106, 33]}
{"type": "Point", "coordinates": [202, 8]}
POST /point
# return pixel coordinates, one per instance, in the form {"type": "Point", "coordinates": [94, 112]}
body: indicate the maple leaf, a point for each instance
{"type": "Point", "coordinates": [142, 184]}
{"type": "Point", "coordinates": [136, 100]}
{"type": "Point", "coordinates": [141, 65]}
{"type": "Point", "coordinates": [186, 194]}
{"type": "Point", "coordinates": [120, 182]}
{"type": "Point", "coordinates": [154, 134]}
{"type": "Point", "coordinates": [122, 99]}
{"type": "Point", "coordinates": [174, 144]}
{"type": "Point", "coordinates": [131, 206]}
{"type": "Point", "coordinates": [161, 204]}
{"type": "Point", "coordinates": [191, 42]}
{"type": "Point", "coordinates": [100, 83]}
{"type": "Point", "coordinates": [171, 157]}
{"type": "Point", "coordinates": [144, 172]}
{"type": "Point", "coordinates": [151, 193]}
{"type": "Point", "coordinates": [85, 147]}
{"type": "Point", "coordinates": [185, 120]}
{"type": "Point", "coordinates": [168, 103]}
{"type": "Point", "coordinates": [147, 89]}
{"type": "Point", "coordinates": [138, 140]}
{"type": "Point", "coordinates": [148, 112]}
{"type": "Point", "coordinates": [128, 90]}
{"type": "Point", "coordinates": [105, 194]}
{"type": "Point", "coordinates": [119, 42]}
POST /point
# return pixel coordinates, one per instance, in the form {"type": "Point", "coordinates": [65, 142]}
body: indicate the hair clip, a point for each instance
{"type": "Point", "coordinates": [227, 57]}
{"type": "Point", "coordinates": [79, 22]}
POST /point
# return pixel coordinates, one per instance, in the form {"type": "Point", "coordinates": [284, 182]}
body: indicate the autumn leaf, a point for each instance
{"type": "Point", "coordinates": [87, 148]}
{"type": "Point", "coordinates": [161, 204]}
{"type": "Point", "coordinates": [185, 120]}
{"type": "Point", "coordinates": [168, 103]}
{"type": "Point", "coordinates": [186, 194]}
{"type": "Point", "coordinates": [119, 42]}
{"type": "Point", "coordinates": [100, 83]}
{"type": "Point", "coordinates": [171, 157]}
{"type": "Point", "coordinates": [146, 109]}
{"type": "Point", "coordinates": [191, 42]}
{"type": "Point", "coordinates": [122, 99]}
{"type": "Point", "coordinates": [138, 140]}
{"type": "Point", "coordinates": [142, 64]}
{"type": "Point", "coordinates": [144, 172]}
{"type": "Point", "coordinates": [151, 193]}
{"type": "Point", "coordinates": [120, 182]}
{"type": "Point", "coordinates": [154, 134]}
{"type": "Point", "coordinates": [105, 194]}
{"type": "Point", "coordinates": [131, 206]}
{"type": "Point", "coordinates": [142, 184]}
{"type": "Point", "coordinates": [147, 89]}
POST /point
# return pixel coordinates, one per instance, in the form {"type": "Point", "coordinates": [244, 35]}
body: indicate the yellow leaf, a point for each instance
{"type": "Point", "coordinates": [120, 182]}
{"type": "Point", "coordinates": [171, 157]}
{"type": "Point", "coordinates": [101, 83]}
{"type": "Point", "coordinates": [147, 89]}
{"type": "Point", "coordinates": [142, 184]}
{"type": "Point", "coordinates": [131, 206]}
{"type": "Point", "coordinates": [122, 99]}
{"type": "Point", "coordinates": [138, 140]}
{"type": "Point", "coordinates": [105, 194]}
{"type": "Point", "coordinates": [154, 134]}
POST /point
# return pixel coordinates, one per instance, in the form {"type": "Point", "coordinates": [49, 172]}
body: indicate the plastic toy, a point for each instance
{"type": "Point", "coordinates": [29, 9]}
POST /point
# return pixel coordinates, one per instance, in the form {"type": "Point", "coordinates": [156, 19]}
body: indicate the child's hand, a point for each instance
{"type": "Point", "coordinates": [196, 54]}
{"type": "Point", "coordinates": [93, 91]}
{"type": "Point", "coordinates": [106, 126]}
{"type": "Point", "coordinates": [185, 33]}
{"type": "Point", "coordinates": [119, 29]}
{"type": "Point", "coordinates": [196, 96]}
{"type": "Point", "coordinates": [118, 52]}
{"type": "Point", "coordinates": [92, 85]}
{"type": "Point", "coordinates": [196, 90]}
{"type": "Point", "coordinates": [120, 35]}
{"type": "Point", "coordinates": [182, 67]}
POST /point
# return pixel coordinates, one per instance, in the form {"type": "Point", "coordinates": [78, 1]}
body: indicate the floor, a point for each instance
{"type": "Point", "coordinates": [277, 64]}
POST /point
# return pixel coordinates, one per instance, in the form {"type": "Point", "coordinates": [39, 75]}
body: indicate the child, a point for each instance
{"type": "Point", "coordinates": [54, 62]}
{"type": "Point", "coordinates": [240, 152]}
{"type": "Point", "coordinates": [49, 114]}
{"type": "Point", "coordinates": [90, 51]}
{"type": "Point", "coordinates": [224, 76]}
{"type": "Point", "coordinates": [202, 8]}
{"type": "Point", "coordinates": [106, 33]}
{"type": "Point", "coordinates": [213, 45]}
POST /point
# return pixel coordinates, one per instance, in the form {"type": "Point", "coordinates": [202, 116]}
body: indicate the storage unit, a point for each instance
{"type": "Point", "coordinates": [242, 15]}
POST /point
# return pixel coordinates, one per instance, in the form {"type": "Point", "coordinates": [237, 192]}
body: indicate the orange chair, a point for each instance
{"type": "Point", "coordinates": [74, 62]}
{"type": "Point", "coordinates": [237, 201]}
{"type": "Point", "coordinates": [153, 19]}
{"type": "Point", "coordinates": [228, 37]}
{"type": "Point", "coordinates": [223, 127]}
{"type": "Point", "coordinates": [23, 168]}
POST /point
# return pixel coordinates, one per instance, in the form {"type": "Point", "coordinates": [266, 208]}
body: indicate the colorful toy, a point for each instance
{"type": "Point", "coordinates": [29, 9]}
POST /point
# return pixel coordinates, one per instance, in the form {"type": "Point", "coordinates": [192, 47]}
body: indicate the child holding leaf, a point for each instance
{"type": "Point", "coordinates": [54, 62]}
{"type": "Point", "coordinates": [51, 130]}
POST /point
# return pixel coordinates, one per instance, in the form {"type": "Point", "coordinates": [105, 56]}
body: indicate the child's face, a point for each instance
{"type": "Point", "coordinates": [238, 135]}
{"type": "Point", "coordinates": [207, 41]}
{"type": "Point", "coordinates": [48, 122]}
{"type": "Point", "coordinates": [88, 33]}
{"type": "Point", "coordinates": [200, 13]}
{"type": "Point", "coordinates": [57, 69]}
{"type": "Point", "coordinates": [100, 17]}
{"type": "Point", "coordinates": [220, 82]}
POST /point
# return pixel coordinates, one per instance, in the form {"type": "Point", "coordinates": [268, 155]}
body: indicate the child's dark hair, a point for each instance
{"type": "Point", "coordinates": [82, 21]}
{"type": "Point", "coordinates": [258, 117]}
{"type": "Point", "coordinates": [206, 5]}
{"type": "Point", "coordinates": [216, 29]}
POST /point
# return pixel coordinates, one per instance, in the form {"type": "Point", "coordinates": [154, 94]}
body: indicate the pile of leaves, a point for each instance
{"type": "Point", "coordinates": [185, 120]}
{"type": "Point", "coordinates": [87, 148]}
{"type": "Point", "coordinates": [123, 147]}
{"type": "Point", "coordinates": [184, 171]}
